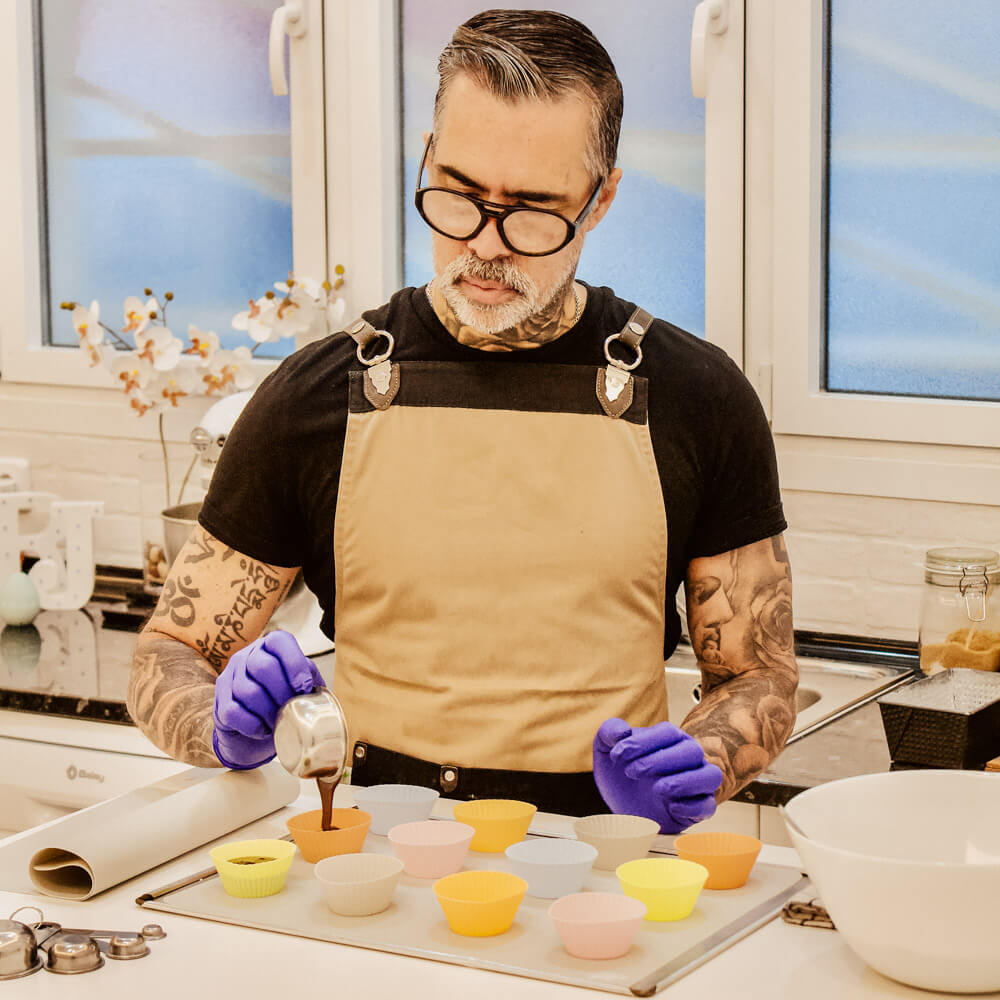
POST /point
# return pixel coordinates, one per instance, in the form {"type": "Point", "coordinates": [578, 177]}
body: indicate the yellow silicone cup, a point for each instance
{"type": "Point", "coordinates": [253, 881]}
{"type": "Point", "coordinates": [480, 904]}
{"type": "Point", "coordinates": [498, 822]}
{"type": "Point", "coordinates": [668, 886]}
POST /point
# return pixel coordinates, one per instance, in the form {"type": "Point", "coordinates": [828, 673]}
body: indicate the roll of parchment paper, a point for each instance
{"type": "Point", "coordinates": [87, 852]}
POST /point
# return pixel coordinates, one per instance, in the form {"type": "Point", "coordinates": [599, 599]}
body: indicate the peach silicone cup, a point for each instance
{"type": "Point", "coordinates": [358, 885]}
{"type": "Point", "coordinates": [480, 904]}
{"type": "Point", "coordinates": [729, 857]}
{"type": "Point", "coordinates": [316, 843]}
{"type": "Point", "coordinates": [498, 822]}
{"type": "Point", "coordinates": [431, 848]}
{"type": "Point", "coordinates": [253, 881]}
{"type": "Point", "coordinates": [668, 886]}
{"type": "Point", "coordinates": [597, 925]}
{"type": "Point", "coordinates": [618, 838]}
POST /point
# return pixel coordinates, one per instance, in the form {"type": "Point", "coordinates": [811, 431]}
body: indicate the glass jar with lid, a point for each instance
{"type": "Point", "coordinates": [960, 610]}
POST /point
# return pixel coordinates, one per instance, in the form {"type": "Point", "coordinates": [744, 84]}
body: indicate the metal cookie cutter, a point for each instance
{"type": "Point", "coordinates": [811, 914]}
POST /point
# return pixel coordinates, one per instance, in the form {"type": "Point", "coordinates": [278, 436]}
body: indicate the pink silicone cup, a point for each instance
{"type": "Point", "coordinates": [597, 925]}
{"type": "Point", "coordinates": [431, 848]}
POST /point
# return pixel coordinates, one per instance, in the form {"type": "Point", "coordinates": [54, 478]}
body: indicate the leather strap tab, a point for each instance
{"type": "Point", "coordinates": [635, 328]}
{"type": "Point", "coordinates": [361, 332]}
{"type": "Point", "coordinates": [623, 398]}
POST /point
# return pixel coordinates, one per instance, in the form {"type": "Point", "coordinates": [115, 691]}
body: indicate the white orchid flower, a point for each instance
{"type": "Point", "coordinates": [168, 388]}
{"type": "Point", "coordinates": [138, 314]}
{"type": "Point", "coordinates": [229, 371]}
{"type": "Point", "coordinates": [87, 323]}
{"type": "Point", "coordinates": [258, 319]}
{"type": "Point", "coordinates": [160, 347]}
{"type": "Point", "coordinates": [203, 343]}
{"type": "Point", "coordinates": [141, 400]}
{"type": "Point", "coordinates": [132, 371]}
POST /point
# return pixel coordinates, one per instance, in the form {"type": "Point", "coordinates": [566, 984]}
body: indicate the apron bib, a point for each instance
{"type": "Point", "coordinates": [500, 547]}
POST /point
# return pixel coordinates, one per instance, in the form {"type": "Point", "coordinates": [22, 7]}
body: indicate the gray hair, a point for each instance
{"type": "Point", "coordinates": [540, 55]}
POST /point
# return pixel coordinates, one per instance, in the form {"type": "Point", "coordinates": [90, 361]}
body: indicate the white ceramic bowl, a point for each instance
{"type": "Point", "coordinates": [908, 865]}
{"type": "Point", "coordinates": [617, 838]}
{"type": "Point", "coordinates": [552, 867]}
{"type": "Point", "coordinates": [358, 885]}
{"type": "Point", "coordinates": [391, 805]}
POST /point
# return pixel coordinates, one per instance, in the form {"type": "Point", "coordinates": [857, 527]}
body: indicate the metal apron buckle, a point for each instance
{"type": "Point", "coordinates": [449, 777]}
{"type": "Point", "coordinates": [615, 382]}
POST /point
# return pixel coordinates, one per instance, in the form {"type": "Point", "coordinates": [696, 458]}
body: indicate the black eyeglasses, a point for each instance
{"type": "Point", "coordinates": [530, 232]}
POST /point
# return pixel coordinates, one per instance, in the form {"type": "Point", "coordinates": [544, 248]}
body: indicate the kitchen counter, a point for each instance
{"type": "Point", "coordinates": [206, 959]}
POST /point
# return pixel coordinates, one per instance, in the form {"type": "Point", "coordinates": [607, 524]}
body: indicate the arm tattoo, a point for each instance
{"type": "Point", "coordinates": [549, 324]}
{"type": "Point", "coordinates": [740, 618]}
{"type": "Point", "coordinates": [216, 611]}
{"type": "Point", "coordinates": [171, 694]}
{"type": "Point", "coordinates": [257, 584]}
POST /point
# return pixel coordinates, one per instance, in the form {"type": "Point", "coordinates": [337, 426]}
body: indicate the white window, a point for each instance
{"type": "Point", "coordinates": [873, 243]}
{"type": "Point", "coordinates": [667, 219]}
{"type": "Point", "coordinates": [146, 149]}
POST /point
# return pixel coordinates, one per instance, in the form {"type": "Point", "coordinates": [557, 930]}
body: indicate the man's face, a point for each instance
{"type": "Point", "coordinates": [526, 153]}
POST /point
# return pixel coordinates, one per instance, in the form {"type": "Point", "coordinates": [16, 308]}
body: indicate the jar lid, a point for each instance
{"type": "Point", "coordinates": [949, 565]}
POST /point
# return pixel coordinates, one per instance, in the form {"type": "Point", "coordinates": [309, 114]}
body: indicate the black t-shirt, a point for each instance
{"type": "Point", "coordinates": [274, 493]}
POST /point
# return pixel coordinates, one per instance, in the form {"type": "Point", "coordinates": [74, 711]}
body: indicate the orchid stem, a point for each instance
{"type": "Point", "coordinates": [166, 465]}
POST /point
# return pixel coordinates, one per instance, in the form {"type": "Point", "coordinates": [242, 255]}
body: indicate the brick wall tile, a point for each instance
{"type": "Point", "coordinates": [826, 555]}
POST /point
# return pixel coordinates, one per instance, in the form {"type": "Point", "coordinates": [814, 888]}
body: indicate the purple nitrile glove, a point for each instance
{"type": "Point", "coordinates": [659, 772]}
{"type": "Point", "coordinates": [257, 681]}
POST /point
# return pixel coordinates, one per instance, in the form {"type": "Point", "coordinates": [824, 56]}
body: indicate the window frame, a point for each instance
{"type": "Point", "coordinates": [24, 359]}
{"type": "Point", "coordinates": [785, 177]}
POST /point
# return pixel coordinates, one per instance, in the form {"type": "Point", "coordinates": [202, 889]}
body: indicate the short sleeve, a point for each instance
{"type": "Point", "coordinates": [251, 504]}
{"type": "Point", "coordinates": [741, 498]}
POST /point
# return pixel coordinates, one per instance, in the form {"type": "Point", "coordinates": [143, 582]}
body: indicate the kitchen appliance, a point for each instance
{"type": "Point", "coordinates": [299, 613]}
{"type": "Point", "coordinates": [950, 719]}
{"type": "Point", "coordinates": [62, 680]}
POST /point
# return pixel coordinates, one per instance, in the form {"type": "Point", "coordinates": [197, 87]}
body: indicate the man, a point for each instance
{"type": "Point", "coordinates": [495, 486]}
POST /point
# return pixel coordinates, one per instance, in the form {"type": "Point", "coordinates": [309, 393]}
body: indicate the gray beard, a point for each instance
{"type": "Point", "coordinates": [492, 320]}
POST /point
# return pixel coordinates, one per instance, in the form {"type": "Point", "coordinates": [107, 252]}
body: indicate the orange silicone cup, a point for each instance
{"type": "Point", "coordinates": [316, 843]}
{"type": "Point", "coordinates": [729, 857]}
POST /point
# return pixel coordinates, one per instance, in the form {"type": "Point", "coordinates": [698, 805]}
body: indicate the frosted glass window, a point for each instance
{"type": "Point", "coordinates": [167, 160]}
{"type": "Point", "coordinates": [650, 248]}
{"type": "Point", "coordinates": [913, 267]}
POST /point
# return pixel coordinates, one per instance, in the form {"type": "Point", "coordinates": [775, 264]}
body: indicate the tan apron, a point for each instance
{"type": "Point", "coordinates": [501, 547]}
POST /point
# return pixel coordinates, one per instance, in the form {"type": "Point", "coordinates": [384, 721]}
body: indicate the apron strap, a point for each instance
{"type": "Point", "coordinates": [381, 375]}
{"type": "Point", "coordinates": [615, 383]}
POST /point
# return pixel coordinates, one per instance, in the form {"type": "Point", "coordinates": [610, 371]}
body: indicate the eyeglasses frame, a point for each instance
{"type": "Point", "coordinates": [492, 210]}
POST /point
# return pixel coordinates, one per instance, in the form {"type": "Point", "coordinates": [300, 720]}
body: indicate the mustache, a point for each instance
{"type": "Point", "coordinates": [499, 271]}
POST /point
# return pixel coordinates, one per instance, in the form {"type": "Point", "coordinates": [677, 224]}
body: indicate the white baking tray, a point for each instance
{"type": "Point", "coordinates": [415, 925]}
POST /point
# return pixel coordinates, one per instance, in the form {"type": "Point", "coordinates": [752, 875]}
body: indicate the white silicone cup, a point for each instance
{"type": "Point", "coordinates": [358, 885]}
{"type": "Point", "coordinates": [552, 867]}
{"type": "Point", "coordinates": [391, 805]}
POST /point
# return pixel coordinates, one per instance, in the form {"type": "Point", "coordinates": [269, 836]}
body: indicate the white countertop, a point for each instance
{"type": "Point", "coordinates": [204, 959]}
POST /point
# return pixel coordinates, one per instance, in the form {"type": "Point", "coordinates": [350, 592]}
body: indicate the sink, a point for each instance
{"type": "Point", "coordinates": [827, 688]}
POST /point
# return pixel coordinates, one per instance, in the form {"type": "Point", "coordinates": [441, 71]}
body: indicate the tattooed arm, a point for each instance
{"type": "Point", "coordinates": [739, 607]}
{"type": "Point", "coordinates": [214, 602]}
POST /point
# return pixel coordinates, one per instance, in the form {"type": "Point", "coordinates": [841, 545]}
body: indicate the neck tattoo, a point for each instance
{"type": "Point", "coordinates": [561, 315]}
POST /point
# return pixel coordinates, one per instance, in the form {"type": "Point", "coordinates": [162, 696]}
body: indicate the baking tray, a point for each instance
{"type": "Point", "coordinates": [950, 719]}
{"type": "Point", "coordinates": [415, 925]}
